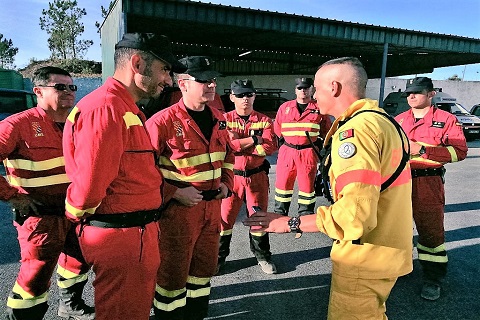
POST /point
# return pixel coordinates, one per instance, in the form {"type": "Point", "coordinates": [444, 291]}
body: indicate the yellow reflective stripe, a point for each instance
{"type": "Point", "coordinates": [234, 125]}
{"type": "Point", "coordinates": [282, 199]}
{"type": "Point", "coordinates": [259, 125]}
{"type": "Point", "coordinates": [71, 115]}
{"type": "Point", "coordinates": [19, 290]}
{"type": "Point", "coordinates": [38, 182]}
{"type": "Point", "coordinates": [79, 212]}
{"type": "Point", "coordinates": [226, 232]}
{"type": "Point", "coordinates": [193, 161]}
{"type": "Point", "coordinates": [64, 273]}
{"type": "Point", "coordinates": [198, 280]}
{"type": "Point", "coordinates": [280, 191]}
{"type": "Point", "coordinates": [169, 294]}
{"type": "Point", "coordinates": [300, 125]}
{"type": "Point", "coordinates": [72, 281]}
{"type": "Point", "coordinates": [202, 292]}
{"type": "Point", "coordinates": [298, 134]}
{"type": "Point", "coordinates": [196, 177]}
{"type": "Point", "coordinates": [306, 201]}
{"type": "Point", "coordinates": [131, 119]}
{"type": "Point", "coordinates": [453, 154]}
{"type": "Point", "coordinates": [306, 195]}
{"type": "Point", "coordinates": [440, 248]}
{"type": "Point", "coordinates": [27, 301]}
{"type": "Point", "coordinates": [35, 165]}
{"type": "Point", "coordinates": [429, 257]}
{"type": "Point", "coordinates": [180, 300]}
{"type": "Point", "coordinates": [257, 234]}
{"type": "Point", "coordinates": [228, 166]}
{"type": "Point", "coordinates": [260, 150]}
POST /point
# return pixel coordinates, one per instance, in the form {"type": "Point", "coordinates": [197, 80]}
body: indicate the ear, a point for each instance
{"type": "Point", "coordinates": [38, 92]}
{"type": "Point", "coordinates": [137, 63]}
{"type": "Point", "coordinates": [336, 88]}
{"type": "Point", "coordinates": [232, 97]}
{"type": "Point", "coordinates": [431, 94]}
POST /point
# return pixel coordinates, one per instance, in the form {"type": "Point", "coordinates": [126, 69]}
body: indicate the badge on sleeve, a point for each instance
{"type": "Point", "coordinates": [347, 150]}
{"type": "Point", "coordinates": [222, 125]}
{"type": "Point", "coordinates": [438, 124]}
{"type": "Point", "coordinates": [345, 134]}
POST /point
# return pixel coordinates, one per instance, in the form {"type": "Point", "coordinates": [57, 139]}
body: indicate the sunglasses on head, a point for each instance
{"type": "Point", "coordinates": [209, 81]}
{"type": "Point", "coordinates": [63, 87]}
{"type": "Point", "coordinates": [242, 95]}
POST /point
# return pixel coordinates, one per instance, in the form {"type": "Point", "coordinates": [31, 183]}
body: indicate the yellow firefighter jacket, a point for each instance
{"type": "Point", "coordinates": [372, 229]}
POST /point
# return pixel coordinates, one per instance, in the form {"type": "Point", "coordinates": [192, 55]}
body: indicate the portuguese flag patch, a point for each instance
{"type": "Point", "coordinates": [346, 134]}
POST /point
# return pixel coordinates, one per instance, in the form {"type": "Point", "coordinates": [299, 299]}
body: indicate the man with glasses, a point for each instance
{"type": "Point", "coordinates": [192, 145]}
{"type": "Point", "coordinates": [301, 127]}
{"type": "Point", "coordinates": [36, 185]}
{"type": "Point", "coordinates": [252, 139]}
{"type": "Point", "coordinates": [115, 191]}
{"type": "Point", "coordinates": [436, 138]}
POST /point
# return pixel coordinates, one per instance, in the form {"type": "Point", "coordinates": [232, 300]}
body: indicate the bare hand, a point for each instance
{"type": "Point", "coordinates": [268, 222]}
{"type": "Point", "coordinates": [414, 147]}
{"type": "Point", "coordinates": [223, 191]}
{"type": "Point", "coordinates": [24, 205]}
{"type": "Point", "coordinates": [188, 196]}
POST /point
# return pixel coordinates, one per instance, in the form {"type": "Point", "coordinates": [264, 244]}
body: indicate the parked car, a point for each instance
{"type": "Point", "coordinates": [13, 101]}
{"type": "Point", "coordinates": [475, 110]}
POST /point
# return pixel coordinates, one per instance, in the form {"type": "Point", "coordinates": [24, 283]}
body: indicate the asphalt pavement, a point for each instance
{"type": "Point", "coordinates": [300, 289]}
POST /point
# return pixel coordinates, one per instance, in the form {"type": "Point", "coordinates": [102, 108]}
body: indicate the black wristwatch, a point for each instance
{"type": "Point", "coordinates": [422, 150]}
{"type": "Point", "coordinates": [294, 224]}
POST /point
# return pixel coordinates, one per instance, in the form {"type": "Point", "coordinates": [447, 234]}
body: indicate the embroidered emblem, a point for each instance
{"type": "Point", "coordinates": [438, 124]}
{"type": "Point", "coordinates": [287, 110]}
{"type": "Point", "coordinates": [177, 125]}
{"type": "Point", "coordinates": [347, 150]}
{"type": "Point", "coordinates": [346, 134]}
{"type": "Point", "coordinates": [222, 125]}
{"type": "Point", "coordinates": [37, 129]}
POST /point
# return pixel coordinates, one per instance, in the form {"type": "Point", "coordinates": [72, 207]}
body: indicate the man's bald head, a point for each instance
{"type": "Point", "coordinates": [349, 71]}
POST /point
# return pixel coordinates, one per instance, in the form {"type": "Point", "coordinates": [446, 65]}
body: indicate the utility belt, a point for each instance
{"type": "Point", "coordinates": [428, 172]}
{"type": "Point", "coordinates": [50, 210]}
{"type": "Point", "coordinates": [123, 220]}
{"type": "Point", "coordinates": [209, 195]}
{"type": "Point", "coordinates": [297, 146]}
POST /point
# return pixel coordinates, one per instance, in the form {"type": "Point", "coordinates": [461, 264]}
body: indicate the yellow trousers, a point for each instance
{"type": "Point", "coordinates": [358, 299]}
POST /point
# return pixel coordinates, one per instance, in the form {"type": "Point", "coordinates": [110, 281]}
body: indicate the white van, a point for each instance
{"type": "Point", "coordinates": [395, 104]}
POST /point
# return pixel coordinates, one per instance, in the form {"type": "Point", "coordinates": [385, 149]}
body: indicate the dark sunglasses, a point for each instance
{"type": "Point", "coordinates": [63, 87]}
{"type": "Point", "coordinates": [242, 95]}
{"type": "Point", "coordinates": [209, 81]}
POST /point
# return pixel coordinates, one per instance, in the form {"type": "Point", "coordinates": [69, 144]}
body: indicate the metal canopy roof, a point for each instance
{"type": "Point", "coordinates": [280, 43]}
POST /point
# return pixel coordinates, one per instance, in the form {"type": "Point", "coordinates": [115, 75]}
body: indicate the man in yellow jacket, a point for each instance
{"type": "Point", "coordinates": [370, 222]}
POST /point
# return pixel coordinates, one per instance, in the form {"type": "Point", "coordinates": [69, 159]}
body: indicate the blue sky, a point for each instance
{"type": "Point", "coordinates": [19, 21]}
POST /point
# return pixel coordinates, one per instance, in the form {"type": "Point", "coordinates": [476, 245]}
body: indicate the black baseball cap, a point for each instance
{"type": "Point", "coordinates": [418, 84]}
{"type": "Point", "coordinates": [156, 44]}
{"type": "Point", "coordinates": [199, 67]}
{"type": "Point", "coordinates": [302, 83]}
{"type": "Point", "coordinates": [242, 86]}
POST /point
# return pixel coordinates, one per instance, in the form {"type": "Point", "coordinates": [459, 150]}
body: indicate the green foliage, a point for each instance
{"type": "Point", "coordinates": [62, 22]}
{"type": "Point", "coordinates": [76, 66]}
{"type": "Point", "coordinates": [104, 14]}
{"type": "Point", "coordinates": [7, 53]}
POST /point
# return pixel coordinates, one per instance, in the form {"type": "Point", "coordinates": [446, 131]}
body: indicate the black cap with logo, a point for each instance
{"type": "Point", "coordinates": [242, 86]}
{"type": "Point", "coordinates": [200, 67]}
{"type": "Point", "coordinates": [303, 83]}
{"type": "Point", "coordinates": [418, 84]}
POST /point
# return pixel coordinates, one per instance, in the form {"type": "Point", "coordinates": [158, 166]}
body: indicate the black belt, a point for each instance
{"type": "Point", "coordinates": [428, 172]}
{"type": "Point", "coordinates": [124, 220]}
{"type": "Point", "coordinates": [297, 146]}
{"type": "Point", "coordinates": [49, 210]}
{"type": "Point", "coordinates": [209, 195]}
{"type": "Point", "coordinates": [247, 173]}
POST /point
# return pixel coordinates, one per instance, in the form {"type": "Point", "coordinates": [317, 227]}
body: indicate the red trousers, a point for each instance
{"type": "Point", "coordinates": [125, 262]}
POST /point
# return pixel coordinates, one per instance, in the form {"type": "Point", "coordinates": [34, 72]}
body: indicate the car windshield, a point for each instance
{"type": "Point", "coordinates": [454, 108]}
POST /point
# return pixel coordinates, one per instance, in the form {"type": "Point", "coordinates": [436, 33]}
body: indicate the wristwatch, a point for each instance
{"type": "Point", "coordinates": [294, 224]}
{"type": "Point", "coordinates": [422, 150]}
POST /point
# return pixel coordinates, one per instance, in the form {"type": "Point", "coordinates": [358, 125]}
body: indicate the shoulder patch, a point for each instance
{"type": "Point", "coordinates": [345, 134]}
{"type": "Point", "coordinates": [222, 125]}
{"type": "Point", "coordinates": [347, 150]}
{"type": "Point", "coordinates": [438, 124]}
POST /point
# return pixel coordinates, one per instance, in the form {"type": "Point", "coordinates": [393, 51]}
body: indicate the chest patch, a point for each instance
{"type": "Point", "coordinates": [37, 129]}
{"type": "Point", "coordinates": [438, 124]}
{"type": "Point", "coordinates": [347, 150]}
{"type": "Point", "coordinates": [345, 134]}
{"type": "Point", "coordinates": [177, 125]}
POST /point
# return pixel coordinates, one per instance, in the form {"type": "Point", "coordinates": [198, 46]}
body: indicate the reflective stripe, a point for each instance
{"type": "Point", "coordinates": [228, 166]}
{"type": "Point", "coordinates": [259, 125]}
{"type": "Point", "coordinates": [364, 176]}
{"type": "Point", "coordinates": [27, 301]}
{"type": "Point", "coordinates": [70, 277]}
{"type": "Point", "coordinates": [198, 280]}
{"type": "Point", "coordinates": [196, 293]}
{"type": "Point", "coordinates": [79, 212]}
{"type": "Point", "coordinates": [35, 165]}
{"type": "Point", "coordinates": [260, 150]}
{"type": "Point", "coordinates": [438, 249]}
{"type": "Point", "coordinates": [38, 182]}
{"type": "Point", "coordinates": [300, 125]}
{"type": "Point", "coordinates": [71, 115]}
{"type": "Point", "coordinates": [283, 199]}
{"type": "Point", "coordinates": [169, 294]}
{"type": "Point", "coordinates": [453, 153]}
{"type": "Point", "coordinates": [132, 119]}
{"type": "Point", "coordinates": [202, 287]}
{"type": "Point", "coordinates": [193, 161]}
{"type": "Point", "coordinates": [235, 125]}
{"type": "Point", "coordinates": [196, 177]}
{"type": "Point", "coordinates": [177, 297]}
{"type": "Point", "coordinates": [226, 232]}
{"type": "Point", "coordinates": [306, 195]}
{"type": "Point", "coordinates": [258, 234]}
{"type": "Point", "coordinates": [280, 191]}
{"type": "Point", "coordinates": [429, 257]}
{"type": "Point", "coordinates": [298, 134]}
{"type": "Point", "coordinates": [306, 201]}
{"type": "Point", "coordinates": [64, 273]}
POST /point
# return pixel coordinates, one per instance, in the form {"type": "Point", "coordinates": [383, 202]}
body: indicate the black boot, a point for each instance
{"type": "Point", "coordinates": [71, 304]}
{"type": "Point", "coordinates": [260, 247]}
{"type": "Point", "coordinates": [33, 313]}
{"type": "Point", "coordinates": [223, 251]}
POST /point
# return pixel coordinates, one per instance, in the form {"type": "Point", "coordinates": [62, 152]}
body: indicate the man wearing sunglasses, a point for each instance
{"type": "Point", "coordinates": [115, 192]}
{"type": "Point", "coordinates": [436, 138]}
{"type": "Point", "coordinates": [31, 147]}
{"type": "Point", "coordinates": [296, 159]}
{"type": "Point", "coordinates": [192, 144]}
{"type": "Point", "coordinates": [252, 138]}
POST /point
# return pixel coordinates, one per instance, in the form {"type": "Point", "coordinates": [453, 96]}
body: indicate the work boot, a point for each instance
{"type": "Point", "coordinates": [430, 291]}
{"type": "Point", "coordinates": [71, 304]}
{"type": "Point", "coordinates": [220, 266]}
{"type": "Point", "coordinates": [268, 267]}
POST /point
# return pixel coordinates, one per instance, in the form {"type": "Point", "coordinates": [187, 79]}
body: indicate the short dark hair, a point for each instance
{"type": "Point", "coordinates": [123, 54]}
{"type": "Point", "coordinates": [360, 77]}
{"type": "Point", "coordinates": [42, 75]}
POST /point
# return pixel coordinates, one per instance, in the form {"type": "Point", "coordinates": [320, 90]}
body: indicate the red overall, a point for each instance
{"type": "Point", "coordinates": [188, 235]}
{"type": "Point", "coordinates": [251, 184]}
{"type": "Point", "coordinates": [442, 135]}
{"type": "Point", "coordinates": [31, 148]}
{"type": "Point", "coordinates": [109, 158]}
{"type": "Point", "coordinates": [296, 158]}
